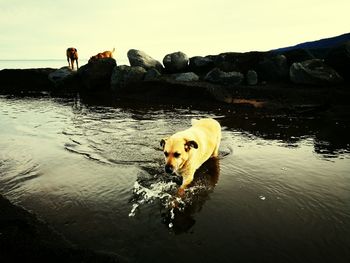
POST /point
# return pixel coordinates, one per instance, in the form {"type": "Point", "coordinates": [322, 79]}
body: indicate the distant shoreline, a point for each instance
{"type": "Point", "coordinates": [43, 63]}
{"type": "Point", "coordinates": [33, 63]}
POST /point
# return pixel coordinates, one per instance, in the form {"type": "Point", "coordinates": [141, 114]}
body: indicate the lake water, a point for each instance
{"type": "Point", "coordinates": [280, 191]}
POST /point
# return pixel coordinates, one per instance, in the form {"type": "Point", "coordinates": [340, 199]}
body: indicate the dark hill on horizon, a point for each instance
{"type": "Point", "coordinates": [319, 48]}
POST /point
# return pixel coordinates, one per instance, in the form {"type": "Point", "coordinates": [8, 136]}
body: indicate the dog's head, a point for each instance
{"type": "Point", "coordinates": [177, 151]}
{"type": "Point", "coordinates": [72, 52]}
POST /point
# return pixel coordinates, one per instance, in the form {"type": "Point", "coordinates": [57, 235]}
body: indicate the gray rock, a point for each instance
{"type": "Point", "coordinates": [274, 68]}
{"type": "Point", "coordinates": [122, 76]}
{"type": "Point", "coordinates": [188, 76]}
{"type": "Point", "coordinates": [240, 62]}
{"type": "Point", "coordinates": [96, 76]}
{"type": "Point", "coordinates": [252, 77]}
{"type": "Point", "coordinates": [152, 74]}
{"type": "Point", "coordinates": [226, 78]}
{"type": "Point", "coordinates": [297, 55]}
{"type": "Point", "coordinates": [339, 59]}
{"type": "Point", "coordinates": [139, 58]}
{"type": "Point", "coordinates": [201, 65]}
{"type": "Point", "coordinates": [176, 62]}
{"type": "Point", "coordinates": [314, 72]}
{"type": "Point", "coordinates": [60, 75]}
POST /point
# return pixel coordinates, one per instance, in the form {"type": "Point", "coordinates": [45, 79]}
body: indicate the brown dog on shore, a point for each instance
{"type": "Point", "coordinates": [105, 54]}
{"type": "Point", "coordinates": [72, 54]}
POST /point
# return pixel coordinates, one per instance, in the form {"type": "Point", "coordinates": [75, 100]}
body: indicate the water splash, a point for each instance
{"type": "Point", "coordinates": [175, 209]}
{"type": "Point", "coordinates": [159, 191]}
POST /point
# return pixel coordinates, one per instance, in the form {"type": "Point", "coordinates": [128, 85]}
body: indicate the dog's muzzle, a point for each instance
{"type": "Point", "coordinates": [169, 169]}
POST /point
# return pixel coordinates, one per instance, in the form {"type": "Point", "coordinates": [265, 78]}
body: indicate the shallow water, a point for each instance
{"type": "Point", "coordinates": [280, 191]}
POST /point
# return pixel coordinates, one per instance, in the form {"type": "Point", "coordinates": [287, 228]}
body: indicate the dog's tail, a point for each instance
{"type": "Point", "coordinates": [113, 50]}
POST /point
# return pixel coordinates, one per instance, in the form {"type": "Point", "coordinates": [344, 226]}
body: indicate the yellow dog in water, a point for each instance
{"type": "Point", "coordinates": [187, 150]}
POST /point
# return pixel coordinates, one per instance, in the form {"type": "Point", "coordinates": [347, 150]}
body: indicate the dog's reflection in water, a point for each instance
{"type": "Point", "coordinates": [180, 217]}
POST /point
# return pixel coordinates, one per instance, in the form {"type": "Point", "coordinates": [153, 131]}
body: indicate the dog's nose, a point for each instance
{"type": "Point", "coordinates": [169, 169]}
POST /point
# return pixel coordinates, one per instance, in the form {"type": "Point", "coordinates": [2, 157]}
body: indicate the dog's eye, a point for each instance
{"type": "Point", "coordinates": [166, 154]}
{"type": "Point", "coordinates": [176, 155]}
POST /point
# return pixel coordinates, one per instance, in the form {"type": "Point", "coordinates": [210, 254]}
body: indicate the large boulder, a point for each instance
{"type": "Point", "coordinates": [218, 76]}
{"type": "Point", "coordinates": [251, 77]}
{"type": "Point", "coordinates": [201, 65]}
{"type": "Point", "coordinates": [65, 80]}
{"type": "Point", "coordinates": [96, 75]}
{"type": "Point", "coordinates": [123, 76]}
{"type": "Point", "coordinates": [273, 68]}
{"type": "Point", "coordinates": [314, 72]}
{"type": "Point", "coordinates": [138, 58]}
{"type": "Point", "coordinates": [176, 62]}
{"type": "Point", "coordinates": [241, 62]}
{"type": "Point", "coordinates": [60, 74]}
{"type": "Point", "coordinates": [152, 75]}
{"type": "Point", "coordinates": [297, 55]}
{"type": "Point", "coordinates": [25, 80]}
{"type": "Point", "coordinates": [339, 59]}
{"type": "Point", "coordinates": [188, 76]}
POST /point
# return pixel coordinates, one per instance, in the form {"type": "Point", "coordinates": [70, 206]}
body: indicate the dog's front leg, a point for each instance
{"type": "Point", "coordinates": [187, 178]}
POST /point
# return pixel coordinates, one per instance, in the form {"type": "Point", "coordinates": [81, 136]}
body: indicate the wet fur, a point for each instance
{"type": "Point", "coordinates": [187, 150]}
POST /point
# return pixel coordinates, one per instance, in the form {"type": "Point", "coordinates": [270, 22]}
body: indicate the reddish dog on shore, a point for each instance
{"type": "Point", "coordinates": [72, 54]}
{"type": "Point", "coordinates": [105, 54]}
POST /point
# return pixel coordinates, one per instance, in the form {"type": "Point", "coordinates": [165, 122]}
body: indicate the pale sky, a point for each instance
{"type": "Point", "coordinates": [43, 29]}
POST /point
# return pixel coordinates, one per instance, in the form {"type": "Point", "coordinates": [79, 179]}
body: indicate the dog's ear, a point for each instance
{"type": "Point", "coordinates": [162, 142]}
{"type": "Point", "coordinates": [190, 144]}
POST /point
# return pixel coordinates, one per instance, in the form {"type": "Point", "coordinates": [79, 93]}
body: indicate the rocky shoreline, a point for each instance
{"type": "Point", "coordinates": [273, 79]}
